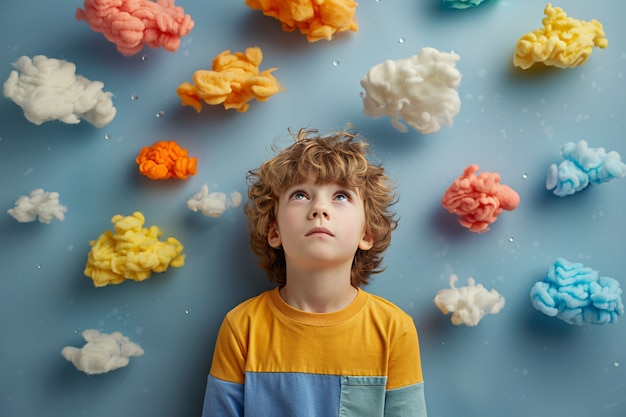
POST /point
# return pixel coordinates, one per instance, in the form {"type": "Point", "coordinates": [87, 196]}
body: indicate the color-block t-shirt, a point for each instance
{"type": "Point", "coordinates": [272, 360]}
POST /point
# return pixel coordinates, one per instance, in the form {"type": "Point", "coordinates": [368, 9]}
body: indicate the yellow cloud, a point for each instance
{"type": "Point", "coordinates": [563, 42]}
{"type": "Point", "coordinates": [131, 252]}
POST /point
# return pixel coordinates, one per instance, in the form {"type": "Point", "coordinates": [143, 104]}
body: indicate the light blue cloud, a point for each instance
{"type": "Point", "coordinates": [462, 4]}
{"type": "Point", "coordinates": [583, 166]}
{"type": "Point", "coordinates": [577, 294]}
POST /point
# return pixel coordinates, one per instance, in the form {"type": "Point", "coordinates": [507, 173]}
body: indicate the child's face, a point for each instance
{"type": "Point", "coordinates": [320, 223]}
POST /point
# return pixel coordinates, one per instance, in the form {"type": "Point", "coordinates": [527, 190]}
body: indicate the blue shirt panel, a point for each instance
{"type": "Point", "coordinates": [291, 394]}
{"type": "Point", "coordinates": [277, 394]}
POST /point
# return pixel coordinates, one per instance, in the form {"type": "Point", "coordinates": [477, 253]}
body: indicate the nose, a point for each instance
{"type": "Point", "coordinates": [319, 213]}
{"type": "Point", "coordinates": [319, 209]}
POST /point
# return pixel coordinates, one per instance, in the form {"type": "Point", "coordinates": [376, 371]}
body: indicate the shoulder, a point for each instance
{"type": "Point", "coordinates": [387, 311]}
{"type": "Point", "coordinates": [252, 307]}
{"type": "Point", "coordinates": [385, 306]}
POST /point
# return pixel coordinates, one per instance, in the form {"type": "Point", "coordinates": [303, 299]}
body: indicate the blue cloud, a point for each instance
{"type": "Point", "coordinates": [462, 4]}
{"type": "Point", "coordinates": [582, 166]}
{"type": "Point", "coordinates": [577, 295]}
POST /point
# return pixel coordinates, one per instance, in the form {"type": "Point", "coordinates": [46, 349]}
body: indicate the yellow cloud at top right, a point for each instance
{"type": "Point", "coordinates": [563, 42]}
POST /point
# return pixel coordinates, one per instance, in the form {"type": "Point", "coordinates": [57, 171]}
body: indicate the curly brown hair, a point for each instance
{"type": "Point", "coordinates": [341, 158]}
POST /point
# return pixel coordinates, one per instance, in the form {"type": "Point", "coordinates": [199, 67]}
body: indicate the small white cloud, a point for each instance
{"type": "Point", "coordinates": [38, 203]}
{"type": "Point", "coordinates": [213, 204]}
{"type": "Point", "coordinates": [102, 353]}
{"type": "Point", "coordinates": [468, 304]}
{"type": "Point", "coordinates": [235, 199]}
{"type": "Point", "coordinates": [49, 89]}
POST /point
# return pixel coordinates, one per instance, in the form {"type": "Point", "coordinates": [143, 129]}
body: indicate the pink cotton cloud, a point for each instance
{"type": "Point", "coordinates": [131, 24]}
{"type": "Point", "coordinates": [479, 200]}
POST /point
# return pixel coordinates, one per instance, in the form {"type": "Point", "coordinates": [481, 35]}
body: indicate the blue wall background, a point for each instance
{"type": "Point", "coordinates": [517, 363]}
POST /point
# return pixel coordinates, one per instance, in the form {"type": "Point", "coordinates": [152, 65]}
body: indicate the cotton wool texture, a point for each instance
{"type": "Point", "coordinates": [562, 42]}
{"type": "Point", "coordinates": [314, 18]}
{"type": "Point", "coordinates": [420, 90]}
{"type": "Point", "coordinates": [164, 160]}
{"type": "Point", "coordinates": [49, 89]}
{"type": "Point", "coordinates": [131, 252]}
{"type": "Point", "coordinates": [478, 200]}
{"type": "Point", "coordinates": [468, 304]}
{"type": "Point", "coordinates": [233, 81]}
{"type": "Point", "coordinates": [213, 204]}
{"type": "Point", "coordinates": [577, 295]}
{"type": "Point", "coordinates": [38, 205]}
{"type": "Point", "coordinates": [583, 166]}
{"type": "Point", "coordinates": [133, 24]}
{"type": "Point", "coordinates": [102, 352]}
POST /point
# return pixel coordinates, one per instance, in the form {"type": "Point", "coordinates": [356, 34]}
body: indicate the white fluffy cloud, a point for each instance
{"type": "Point", "coordinates": [213, 204]}
{"type": "Point", "coordinates": [421, 90]}
{"type": "Point", "coordinates": [468, 304]}
{"type": "Point", "coordinates": [102, 353]}
{"type": "Point", "coordinates": [38, 204]}
{"type": "Point", "coordinates": [49, 89]}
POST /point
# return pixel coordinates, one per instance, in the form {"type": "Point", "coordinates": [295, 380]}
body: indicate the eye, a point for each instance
{"type": "Point", "coordinates": [343, 196]}
{"type": "Point", "coordinates": [298, 195]}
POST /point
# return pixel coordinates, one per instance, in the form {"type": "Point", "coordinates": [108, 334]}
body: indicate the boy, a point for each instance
{"type": "Point", "coordinates": [317, 345]}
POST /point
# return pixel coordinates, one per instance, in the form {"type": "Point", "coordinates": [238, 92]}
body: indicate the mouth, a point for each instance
{"type": "Point", "coordinates": [319, 231]}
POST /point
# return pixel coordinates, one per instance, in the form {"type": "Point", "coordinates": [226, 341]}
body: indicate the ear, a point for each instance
{"type": "Point", "coordinates": [273, 237]}
{"type": "Point", "coordinates": [367, 241]}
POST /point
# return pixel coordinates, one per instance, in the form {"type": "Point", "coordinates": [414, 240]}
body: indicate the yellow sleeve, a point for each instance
{"type": "Point", "coordinates": [229, 356]}
{"type": "Point", "coordinates": [405, 365]}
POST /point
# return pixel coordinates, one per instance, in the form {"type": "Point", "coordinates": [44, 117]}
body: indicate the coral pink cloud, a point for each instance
{"type": "Point", "coordinates": [131, 24]}
{"type": "Point", "coordinates": [479, 200]}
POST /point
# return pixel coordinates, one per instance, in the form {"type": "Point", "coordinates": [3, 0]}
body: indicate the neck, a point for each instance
{"type": "Point", "coordinates": [323, 291]}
